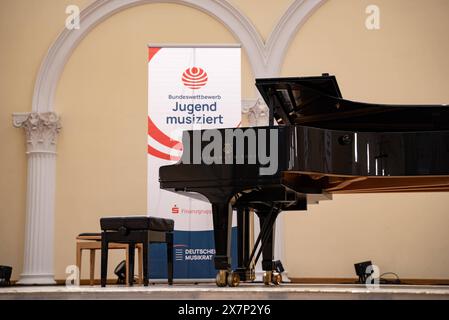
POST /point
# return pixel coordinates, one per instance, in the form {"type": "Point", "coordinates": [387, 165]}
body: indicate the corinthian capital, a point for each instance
{"type": "Point", "coordinates": [258, 114]}
{"type": "Point", "coordinates": [41, 130]}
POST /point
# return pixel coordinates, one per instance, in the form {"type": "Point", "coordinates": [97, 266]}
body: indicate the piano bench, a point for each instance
{"type": "Point", "coordinates": [134, 230]}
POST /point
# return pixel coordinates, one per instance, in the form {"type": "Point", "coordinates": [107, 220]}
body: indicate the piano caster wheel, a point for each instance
{"type": "Point", "coordinates": [221, 278]}
{"type": "Point", "coordinates": [267, 277]}
{"type": "Point", "coordinates": [233, 279]}
{"type": "Point", "coordinates": [276, 278]}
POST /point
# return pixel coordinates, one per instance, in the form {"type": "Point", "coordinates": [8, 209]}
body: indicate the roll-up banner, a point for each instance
{"type": "Point", "coordinates": [189, 88]}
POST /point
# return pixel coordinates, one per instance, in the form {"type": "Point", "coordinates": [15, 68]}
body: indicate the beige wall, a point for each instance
{"type": "Point", "coordinates": [101, 167]}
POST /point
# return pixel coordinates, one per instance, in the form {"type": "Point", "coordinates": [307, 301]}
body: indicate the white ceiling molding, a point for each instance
{"type": "Point", "coordinates": [265, 59]}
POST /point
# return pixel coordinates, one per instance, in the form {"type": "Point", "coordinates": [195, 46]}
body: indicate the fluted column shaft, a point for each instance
{"type": "Point", "coordinates": [41, 131]}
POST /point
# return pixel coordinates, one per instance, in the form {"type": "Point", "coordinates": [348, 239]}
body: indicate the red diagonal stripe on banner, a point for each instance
{"type": "Point", "coordinates": [161, 137]}
{"type": "Point", "coordinates": [161, 155]}
{"type": "Point", "coordinates": [152, 52]}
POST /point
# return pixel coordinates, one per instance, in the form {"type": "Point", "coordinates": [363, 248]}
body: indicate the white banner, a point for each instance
{"type": "Point", "coordinates": [189, 88]}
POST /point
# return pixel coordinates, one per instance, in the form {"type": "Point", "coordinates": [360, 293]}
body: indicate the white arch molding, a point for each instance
{"type": "Point", "coordinates": [265, 59]}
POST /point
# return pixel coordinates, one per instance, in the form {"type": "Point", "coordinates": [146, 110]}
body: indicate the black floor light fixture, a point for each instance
{"type": "Point", "coordinates": [5, 276]}
{"type": "Point", "coordinates": [361, 270]}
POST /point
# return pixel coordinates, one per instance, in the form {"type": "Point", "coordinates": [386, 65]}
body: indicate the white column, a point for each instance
{"type": "Point", "coordinates": [258, 116]}
{"type": "Point", "coordinates": [41, 131]}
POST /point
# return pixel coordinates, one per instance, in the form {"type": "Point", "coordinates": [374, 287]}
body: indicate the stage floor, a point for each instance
{"type": "Point", "coordinates": [253, 291]}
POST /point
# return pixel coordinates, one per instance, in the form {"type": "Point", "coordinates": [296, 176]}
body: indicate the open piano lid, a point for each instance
{"type": "Point", "coordinates": [289, 98]}
{"type": "Point", "coordinates": [317, 102]}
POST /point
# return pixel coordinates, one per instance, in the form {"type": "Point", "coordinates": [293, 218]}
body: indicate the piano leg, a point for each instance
{"type": "Point", "coordinates": [222, 219]}
{"type": "Point", "coordinates": [267, 222]}
{"type": "Point", "coordinates": [243, 231]}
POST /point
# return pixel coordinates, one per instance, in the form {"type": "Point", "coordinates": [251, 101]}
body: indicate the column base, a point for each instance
{"type": "Point", "coordinates": [40, 279]}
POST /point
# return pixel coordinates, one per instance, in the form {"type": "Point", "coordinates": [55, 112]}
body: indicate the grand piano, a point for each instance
{"type": "Point", "coordinates": [318, 144]}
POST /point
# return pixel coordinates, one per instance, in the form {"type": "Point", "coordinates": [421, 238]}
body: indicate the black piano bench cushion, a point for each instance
{"type": "Point", "coordinates": [137, 223]}
{"type": "Point", "coordinates": [89, 234]}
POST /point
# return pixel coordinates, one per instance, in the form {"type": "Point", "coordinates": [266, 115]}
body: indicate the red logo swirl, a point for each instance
{"type": "Point", "coordinates": [194, 78]}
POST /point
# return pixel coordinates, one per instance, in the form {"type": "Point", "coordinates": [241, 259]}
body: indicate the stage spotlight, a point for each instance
{"type": "Point", "coordinates": [361, 270]}
{"type": "Point", "coordinates": [5, 276]}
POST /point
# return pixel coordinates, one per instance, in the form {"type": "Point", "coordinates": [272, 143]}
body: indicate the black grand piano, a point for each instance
{"type": "Point", "coordinates": [322, 144]}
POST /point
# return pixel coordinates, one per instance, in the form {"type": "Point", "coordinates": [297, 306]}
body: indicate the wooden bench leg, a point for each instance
{"type": "Point", "coordinates": [79, 254]}
{"type": "Point", "coordinates": [92, 266]}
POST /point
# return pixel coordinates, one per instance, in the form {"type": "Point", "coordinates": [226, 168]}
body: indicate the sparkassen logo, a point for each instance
{"type": "Point", "coordinates": [194, 78]}
{"type": "Point", "coordinates": [175, 209]}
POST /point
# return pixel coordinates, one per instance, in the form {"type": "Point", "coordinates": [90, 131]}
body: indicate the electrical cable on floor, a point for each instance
{"type": "Point", "coordinates": [389, 281]}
